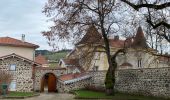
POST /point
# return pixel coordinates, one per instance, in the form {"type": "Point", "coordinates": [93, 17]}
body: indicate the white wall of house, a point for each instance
{"type": "Point", "coordinates": [28, 53]}
{"type": "Point", "coordinates": [100, 60]}
{"type": "Point", "coordinates": [146, 59]}
{"type": "Point", "coordinates": [62, 64]}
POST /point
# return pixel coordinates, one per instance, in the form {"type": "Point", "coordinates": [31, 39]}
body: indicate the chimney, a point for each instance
{"type": "Point", "coordinates": [116, 37]}
{"type": "Point", "coordinates": [23, 38]}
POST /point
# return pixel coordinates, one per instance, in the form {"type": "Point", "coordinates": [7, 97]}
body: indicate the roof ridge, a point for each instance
{"type": "Point", "coordinates": [16, 42]}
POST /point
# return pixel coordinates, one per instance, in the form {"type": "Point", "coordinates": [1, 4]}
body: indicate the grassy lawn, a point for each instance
{"type": "Point", "coordinates": [86, 94]}
{"type": "Point", "coordinates": [20, 94]}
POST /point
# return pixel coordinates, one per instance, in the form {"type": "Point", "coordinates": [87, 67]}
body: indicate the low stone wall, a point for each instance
{"type": "Point", "coordinates": [148, 81]}
{"type": "Point", "coordinates": [154, 82]}
{"type": "Point", "coordinates": [61, 87]}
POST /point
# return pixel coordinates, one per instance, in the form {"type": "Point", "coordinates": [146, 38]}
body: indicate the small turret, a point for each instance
{"type": "Point", "coordinates": [139, 39]}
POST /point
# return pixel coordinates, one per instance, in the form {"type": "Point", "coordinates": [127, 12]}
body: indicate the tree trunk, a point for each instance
{"type": "Point", "coordinates": [110, 79]}
{"type": "Point", "coordinates": [110, 75]}
{"type": "Point", "coordinates": [109, 84]}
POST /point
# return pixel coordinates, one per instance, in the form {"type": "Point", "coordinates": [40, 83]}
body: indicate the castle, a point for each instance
{"type": "Point", "coordinates": [91, 56]}
{"type": "Point", "coordinates": [140, 70]}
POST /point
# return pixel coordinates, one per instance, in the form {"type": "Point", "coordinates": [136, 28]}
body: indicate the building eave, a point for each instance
{"type": "Point", "coordinates": [20, 57]}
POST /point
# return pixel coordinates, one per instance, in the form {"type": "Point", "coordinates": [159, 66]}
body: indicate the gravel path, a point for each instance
{"type": "Point", "coordinates": [49, 96]}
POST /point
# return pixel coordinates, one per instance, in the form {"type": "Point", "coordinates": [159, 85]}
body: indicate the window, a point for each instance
{"type": "Point", "coordinates": [12, 86]}
{"type": "Point", "coordinates": [139, 63]}
{"type": "Point", "coordinates": [95, 68]}
{"type": "Point", "coordinates": [12, 67]}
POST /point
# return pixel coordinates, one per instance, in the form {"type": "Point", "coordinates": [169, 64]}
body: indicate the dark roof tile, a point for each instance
{"type": "Point", "coordinates": [139, 40]}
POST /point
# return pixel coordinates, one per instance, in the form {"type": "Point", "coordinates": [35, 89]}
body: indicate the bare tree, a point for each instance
{"type": "Point", "coordinates": [156, 13]}
{"type": "Point", "coordinates": [5, 77]}
{"type": "Point", "coordinates": [73, 17]}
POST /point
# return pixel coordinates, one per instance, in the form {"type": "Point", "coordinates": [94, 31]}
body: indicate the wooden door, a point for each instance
{"type": "Point", "coordinates": [51, 83]}
{"type": "Point", "coordinates": [42, 84]}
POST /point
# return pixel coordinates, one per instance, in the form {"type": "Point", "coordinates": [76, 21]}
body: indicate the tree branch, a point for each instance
{"type": "Point", "coordinates": [154, 6]}
{"type": "Point", "coordinates": [158, 24]}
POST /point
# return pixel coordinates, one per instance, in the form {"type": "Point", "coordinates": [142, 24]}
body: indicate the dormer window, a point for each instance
{"type": "Point", "coordinates": [12, 67]}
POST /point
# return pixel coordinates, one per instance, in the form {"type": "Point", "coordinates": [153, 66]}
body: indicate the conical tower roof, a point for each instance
{"type": "Point", "coordinates": [139, 40]}
{"type": "Point", "coordinates": [92, 36]}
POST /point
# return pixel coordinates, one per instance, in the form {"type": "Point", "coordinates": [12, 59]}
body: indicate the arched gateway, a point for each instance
{"type": "Point", "coordinates": [49, 82]}
{"type": "Point", "coordinates": [46, 78]}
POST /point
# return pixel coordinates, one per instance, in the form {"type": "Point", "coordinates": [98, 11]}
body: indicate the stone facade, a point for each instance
{"type": "Point", "coordinates": [146, 81]}
{"type": "Point", "coordinates": [74, 86]}
{"type": "Point", "coordinates": [22, 73]}
{"type": "Point", "coordinates": [40, 72]}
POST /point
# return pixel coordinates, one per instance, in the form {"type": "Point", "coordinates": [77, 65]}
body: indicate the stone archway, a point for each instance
{"type": "Point", "coordinates": [40, 73]}
{"type": "Point", "coordinates": [49, 83]}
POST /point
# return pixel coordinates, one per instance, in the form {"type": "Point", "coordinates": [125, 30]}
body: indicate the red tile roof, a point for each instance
{"type": "Point", "coordinates": [50, 68]}
{"type": "Point", "coordinates": [165, 58]}
{"type": "Point", "coordinates": [15, 42]}
{"type": "Point", "coordinates": [74, 62]}
{"type": "Point", "coordinates": [78, 67]}
{"type": "Point", "coordinates": [92, 36]}
{"type": "Point", "coordinates": [71, 76]}
{"type": "Point", "coordinates": [41, 59]}
{"type": "Point", "coordinates": [116, 43]}
{"type": "Point", "coordinates": [126, 64]}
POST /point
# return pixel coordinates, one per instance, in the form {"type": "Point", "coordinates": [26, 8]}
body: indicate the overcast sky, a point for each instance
{"type": "Point", "coordinates": [19, 17]}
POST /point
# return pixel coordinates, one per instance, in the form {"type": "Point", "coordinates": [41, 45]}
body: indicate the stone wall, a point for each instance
{"type": "Point", "coordinates": [61, 87]}
{"type": "Point", "coordinates": [98, 78]}
{"type": "Point", "coordinates": [148, 81]}
{"type": "Point", "coordinates": [155, 82]}
{"type": "Point", "coordinates": [22, 75]}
